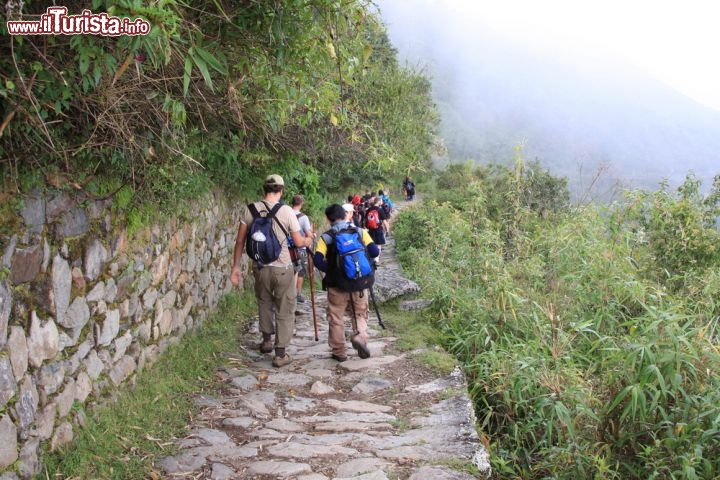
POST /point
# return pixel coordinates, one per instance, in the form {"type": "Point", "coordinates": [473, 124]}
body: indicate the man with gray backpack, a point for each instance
{"type": "Point", "coordinates": [263, 233]}
{"type": "Point", "coordinates": [345, 254]}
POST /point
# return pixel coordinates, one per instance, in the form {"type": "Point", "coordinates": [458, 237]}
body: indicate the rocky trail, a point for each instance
{"type": "Point", "coordinates": [382, 418]}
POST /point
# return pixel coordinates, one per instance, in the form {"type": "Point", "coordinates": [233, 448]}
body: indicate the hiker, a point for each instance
{"type": "Point", "coordinates": [349, 212]}
{"type": "Point", "coordinates": [365, 206]}
{"type": "Point", "coordinates": [341, 292]}
{"type": "Point", "coordinates": [300, 261]}
{"type": "Point", "coordinates": [409, 188]}
{"type": "Point", "coordinates": [377, 224]}
{"type": "Point", "coordinates": [274, 280]}
{"type": "Point", "coordinates": [359, 214]}
{"type": "Point", "coordinates": [387, 206]}
{"type": "Point", "coordinates": [386, 202]}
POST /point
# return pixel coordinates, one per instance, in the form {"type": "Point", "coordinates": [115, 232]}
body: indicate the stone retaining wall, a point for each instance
{"type": "Point", "coordinates": [83, 309]}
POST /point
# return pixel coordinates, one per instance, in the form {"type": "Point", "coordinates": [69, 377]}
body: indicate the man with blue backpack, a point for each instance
{"type": "Point", "coordinates": [345, 254]}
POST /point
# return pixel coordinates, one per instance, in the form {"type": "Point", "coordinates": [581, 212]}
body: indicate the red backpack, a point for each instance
{"type": "Point", "coordinates": [373, 219]}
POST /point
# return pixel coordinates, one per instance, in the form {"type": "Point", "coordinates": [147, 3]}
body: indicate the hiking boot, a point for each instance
{"type": "Point", "coordinates": [339, 358]}
{"type": "Point", "coordinates": [300, 298]}
{"type": "Point", "coordinates": [362, 349]}
{"type": "Point", "coordinates": [281, 361]}
{"type": "Point", "coordinates": [267, 345]}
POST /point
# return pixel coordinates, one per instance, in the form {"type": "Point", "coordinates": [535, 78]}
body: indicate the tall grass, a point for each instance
{"type": "Point", "coordinates": [584, 360]}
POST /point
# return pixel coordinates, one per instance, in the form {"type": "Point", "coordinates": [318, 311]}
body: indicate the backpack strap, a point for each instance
{"type": "Point", "coordinates": [328, 238]}
{"type": "Point", "coordinates": [272, 212]}
{"type": "Point", "coordinates": [253, 210]}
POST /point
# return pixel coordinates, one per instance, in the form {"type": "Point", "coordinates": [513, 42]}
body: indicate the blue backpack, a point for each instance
{"type": "Point", "coordinates": [261, 244]}
{"type": "Point", "coordinates": [355, 272]}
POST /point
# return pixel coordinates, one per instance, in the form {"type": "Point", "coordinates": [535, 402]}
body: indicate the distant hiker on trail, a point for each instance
{"type": "Point", "coordinates": [359, 214]}
{"type": "Point", "coordinates": [388, 205]}
{"type": "Point", "coordinates": [376, 221]}
{"type": "Point", "coordinates": [349, 212]}
{"type": "Point", "coordinates": [300, 256]}
{"type": "Point", "coordinates": [409, 188]}
{"type": "Point", "coordinates": [263, 233]}
{"type": "Point", "coordinates": [343, 253]}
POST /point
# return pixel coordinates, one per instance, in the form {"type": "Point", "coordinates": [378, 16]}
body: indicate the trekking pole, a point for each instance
{"type": "Point", "coordinates": [377, 310]}
{"type": "Point", "coordinates": [311, 275]}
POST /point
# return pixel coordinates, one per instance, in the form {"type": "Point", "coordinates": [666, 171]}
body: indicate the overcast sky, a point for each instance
{"type": "Point", "coordinates": [677, 41]}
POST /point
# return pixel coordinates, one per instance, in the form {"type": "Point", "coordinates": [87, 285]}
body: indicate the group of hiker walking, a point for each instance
{"type": "Point", "coordinates": [277, 237]}
{"type": "Point", "coordinates": [372, 211]}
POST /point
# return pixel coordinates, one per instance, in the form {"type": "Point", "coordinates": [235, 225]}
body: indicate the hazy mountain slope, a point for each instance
{"type": "Point", "coordinates": [573, 113]}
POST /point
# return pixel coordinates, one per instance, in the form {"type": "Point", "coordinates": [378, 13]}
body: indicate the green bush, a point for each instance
{"type": "Point", "coordinates": [679, 230]}
{"type": "Point", "coordinates": [216, 95]}
{"type": "Point", "coordinates": [583, 361]}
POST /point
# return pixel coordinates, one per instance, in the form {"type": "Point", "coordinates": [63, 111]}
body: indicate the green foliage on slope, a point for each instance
{"type": "Point", "coordinates": [215, 95]}
{"type": "Point", "coordinates": [589, 335]}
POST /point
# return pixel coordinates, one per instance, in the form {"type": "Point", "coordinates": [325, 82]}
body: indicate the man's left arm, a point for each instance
{"type": "Point", "coordinates": [306, 226]}
{"type": "Point", "coordinates": [320, 257]}
{"type": "Point", "coordinates": [293, 227]}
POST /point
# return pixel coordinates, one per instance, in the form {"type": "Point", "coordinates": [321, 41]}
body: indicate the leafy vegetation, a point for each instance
{"type": "Point", "coordinates": [215, 95]}
{"type": "Point", "coordinates": [588, 334]}
{"type": "Point", "coordinates": [421, 340]}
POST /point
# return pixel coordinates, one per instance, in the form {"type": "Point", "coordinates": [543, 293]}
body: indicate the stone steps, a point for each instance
{"type": "Point", "coordinates": [380, 418]}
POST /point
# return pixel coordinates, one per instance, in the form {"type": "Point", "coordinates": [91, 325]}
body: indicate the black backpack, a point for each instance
{"type": "Point", "coordinates": [354, 269]}
{"type": "Point", "coordinates": [261, 244]}
{"type": "Point", "coordinates": [358, 215]}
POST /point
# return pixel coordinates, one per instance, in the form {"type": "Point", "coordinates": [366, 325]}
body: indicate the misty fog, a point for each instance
{"type": "Point", "coordinates": [577, 113]}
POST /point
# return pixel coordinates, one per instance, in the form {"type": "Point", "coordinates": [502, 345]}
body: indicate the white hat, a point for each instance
{"type": "Point", "coordinates": [349, 207]}
{"type": "Point", "coordinates": [274, 179]}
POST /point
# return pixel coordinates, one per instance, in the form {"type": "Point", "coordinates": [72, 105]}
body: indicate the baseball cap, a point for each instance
{"type": "Point", "coordinates": [356, 200]}
{"type": "Point", "coordinates": [348, 207]}
{"type": "Point", "coordinates": [274, 179]}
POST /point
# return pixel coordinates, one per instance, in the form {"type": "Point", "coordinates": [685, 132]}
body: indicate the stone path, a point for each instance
{"type": "Point", "coordinates": [382, 418]}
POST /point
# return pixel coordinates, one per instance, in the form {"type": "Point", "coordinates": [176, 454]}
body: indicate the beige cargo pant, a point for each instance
{"type": "Point", "coordinates": [338, 302]}
{"type": "Point", "coordinates": [275, 287]}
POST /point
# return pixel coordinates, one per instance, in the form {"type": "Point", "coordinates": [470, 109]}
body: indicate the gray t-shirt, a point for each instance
{"type": "Point", "coordinates": [304, 221]}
